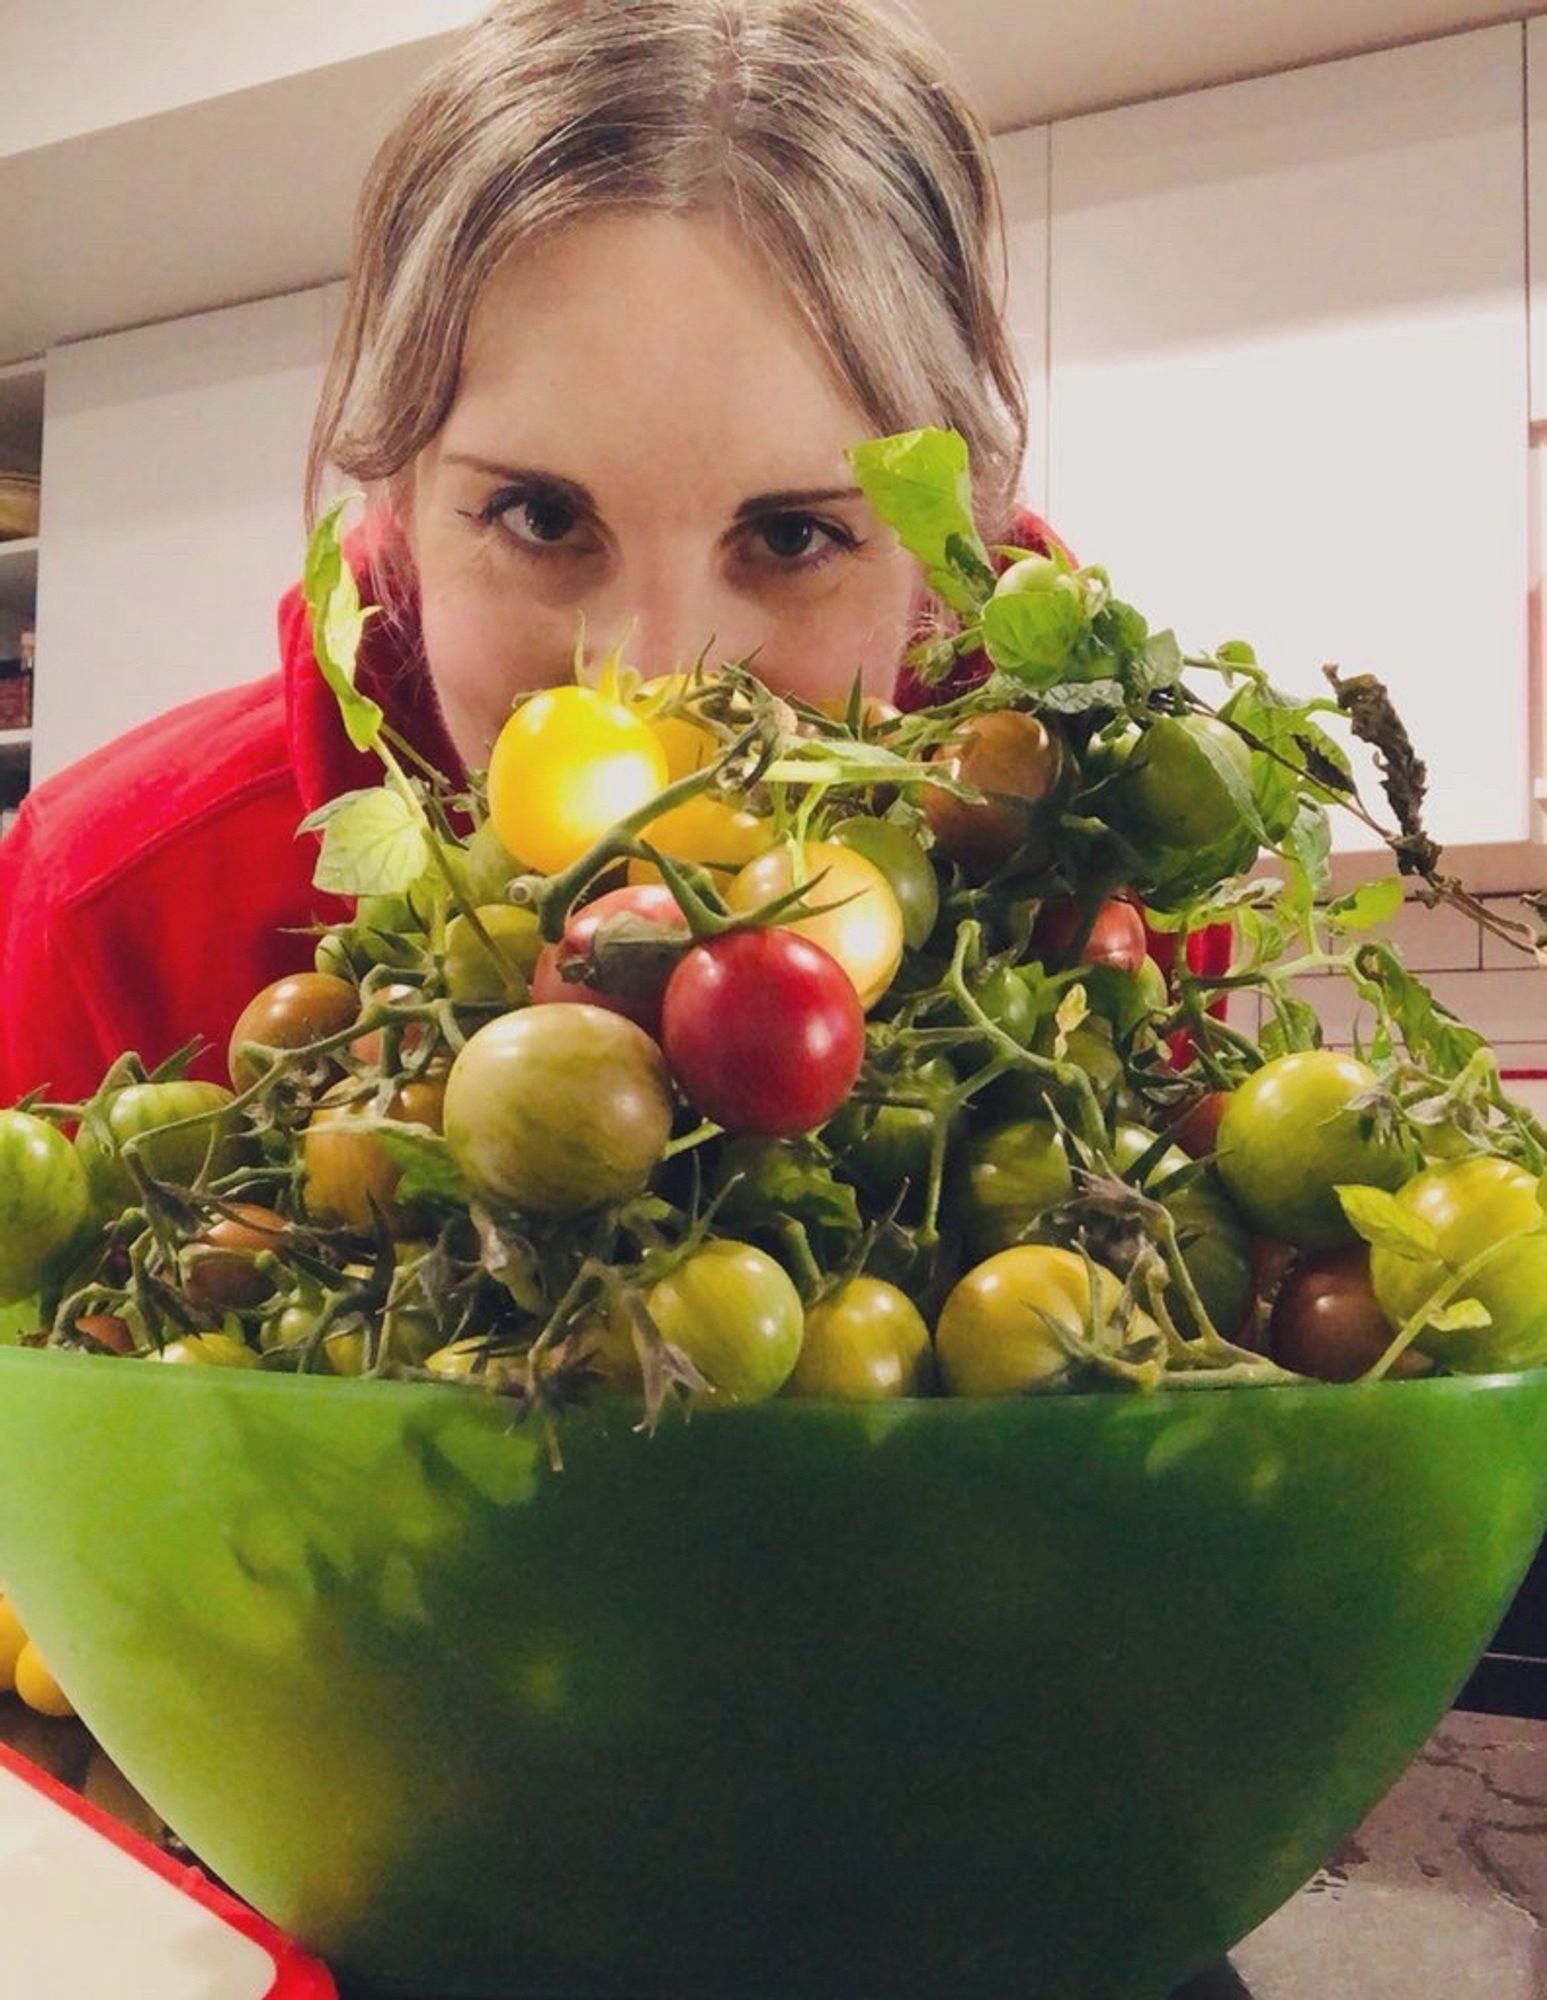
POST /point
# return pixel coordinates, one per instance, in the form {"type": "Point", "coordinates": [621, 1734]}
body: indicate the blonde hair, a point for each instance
{"type": "Point", "coordinates": [828, 128]}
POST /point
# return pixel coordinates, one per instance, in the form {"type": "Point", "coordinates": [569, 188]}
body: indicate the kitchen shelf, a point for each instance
{"type": "Point", "coordinates": [19, 576]}
{"type": "Point", "coordinates": [21, 416]}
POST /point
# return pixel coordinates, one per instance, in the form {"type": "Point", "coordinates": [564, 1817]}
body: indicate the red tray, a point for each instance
{"type": "Point", "coordinates": [75, 1921]}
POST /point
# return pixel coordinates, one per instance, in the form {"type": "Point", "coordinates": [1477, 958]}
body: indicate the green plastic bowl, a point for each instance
{"type": "Point", "coordinates": [1052, 1697]}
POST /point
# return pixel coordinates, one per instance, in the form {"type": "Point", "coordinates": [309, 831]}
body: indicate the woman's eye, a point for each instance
{"type": "Point", "coordinates": [797, 541]}
{"type": "Point", "coordinates": [538, 521]}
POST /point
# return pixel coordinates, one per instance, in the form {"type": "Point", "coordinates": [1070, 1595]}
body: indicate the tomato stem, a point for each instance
{"type": "Point", "coordinates": [398, 779]}
{"type": "Point", "coordinates": [1069, 1077]}
{"type": "Point", "coordinates": [1441, 1296]}
{"type": "Point", "coordinates": [553, 896]}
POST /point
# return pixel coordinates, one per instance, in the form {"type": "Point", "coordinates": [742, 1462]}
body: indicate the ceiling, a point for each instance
{"type": "Point", "coordinates": [1050, 58]}
{"type": "Point", "coordinates": [248, 192]}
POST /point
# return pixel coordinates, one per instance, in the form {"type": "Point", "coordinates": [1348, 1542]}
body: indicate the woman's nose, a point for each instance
{"type": "Point", "coordinates": [667, 621]}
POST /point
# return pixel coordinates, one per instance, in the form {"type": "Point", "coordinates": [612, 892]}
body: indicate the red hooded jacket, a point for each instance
{"type": "Point", "coordinates": [150, 890]}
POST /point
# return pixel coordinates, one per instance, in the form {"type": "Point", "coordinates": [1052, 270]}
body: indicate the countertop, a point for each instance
{"type": "Point", "coordinates": [1440, 1895]}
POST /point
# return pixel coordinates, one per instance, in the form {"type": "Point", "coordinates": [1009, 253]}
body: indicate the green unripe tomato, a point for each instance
{"type": "Point", "coordinates": [906, 867]}
{"type": "Point", "coordinates": [879, 1146]}
{"type": "Point", "coordinates": [1290, 1135]}
{"type": "Point", "coordinates": [472, 974]}
{"type": "Point", "coordinates": [864, 1344]}
{"type": "Point", "coordinates": [1472, 1206]}
{"type": "Point", "coordinates": [737, 1317]}
{"type": "Point", "coordinates": [1006, 999]}
{"type": "Point", "coordinates": [43, 1200]}
{"type": "Point", "coordinates": [1212, 1237]}
{"type": "Point", "coordinates": [1006, 1181]}
{"type": "Point", "coordinates": [1171, 794]}
{"type": "Point", "coordinates": [150, 1115]}
{"type": "Point", "coordinates": [558, 1108]}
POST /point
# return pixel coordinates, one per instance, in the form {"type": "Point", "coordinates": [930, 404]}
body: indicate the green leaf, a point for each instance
{"type": "Point", "coordinates": [1460, 1316]}
{"type": "Point", "coordinates": [1081, 697]}
{"type": "Point", "coordinates": [1236, 653]}
{"type": "Point", "coordinates": [425, 1158]}
{"type": "Point", "coordinates": [1254, 893]}
{"type": "Point", "coordinates": [1434, 1037]}
{"type": "Point", "coordinates": [1308, 849]}
{"type": "Point", "coordinates": [1228, 775]}
{"type": "Point", "coordinates": [1033, 634]}
{"type": "Point", "coordinates": [786, 1177]}
{"type": "Point", "coordinates": [841, 760]}
{"type": "Point", "coordinates": [1372, 903]}
{"type": "Point", "coordinates": [1293, 1026]}
{"type": "Point", "coordinates": [1124, 631]}
{"type": "Point", "coordinates": [373, 844]}
{"type": "Point", "coordinates": [1159, 666]}
{"type": "Point", "coordinates": [337, 622]}
{"type": "Point", "coordinates": [920, 484]}
{"type": "Point", "coordinates": [1295, 753]}
{"type": "Point", "coordinates": [964, 557]}
{"type": "Point", "coordinates": [1386, 1225]}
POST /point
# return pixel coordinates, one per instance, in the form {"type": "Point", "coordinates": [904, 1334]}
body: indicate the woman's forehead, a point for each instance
{"type": "Point", "coordinates": [633, 338]}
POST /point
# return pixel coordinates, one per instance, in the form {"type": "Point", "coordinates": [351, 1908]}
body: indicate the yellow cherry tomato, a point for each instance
{"type": "Point", "coordinates": [37, 1686]}
{"type": "Point", "coordinates": [874, 713]}
{"type": "Point", "coordinates": [998, 1331]}
{"type": "Point", "coordinates": [718, 836]}
{"type": "Point", "coordinates": [688, 745]}
{"type": "Point", "coordinates": [210, 1350]}
{"type": "Point", "coordinates": [863, 1344]}
{"type": "Point", "coordinates": [469, 1360]}
{"type": "Point", "coordinates": [863, 929]}
{"type": "Point", "coordinates": [12, 1638]}
{"type": "Point", "coordinates": [567, 765]}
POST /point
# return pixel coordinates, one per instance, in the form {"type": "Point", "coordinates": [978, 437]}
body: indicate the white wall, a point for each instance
{"type": "Point", "coordinates": [74, 66]}
{"type": "Point", "coordinates": [172, 514]}
{"type": "Point", "coordinates": [1289, 392]}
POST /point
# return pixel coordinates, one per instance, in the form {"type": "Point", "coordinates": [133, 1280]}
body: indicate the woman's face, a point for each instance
{"type": "Point", "coordinates": [644, 436]}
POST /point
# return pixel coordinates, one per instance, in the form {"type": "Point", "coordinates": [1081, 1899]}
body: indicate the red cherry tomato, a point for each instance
{"type": "Point", "coordinates": [763, 1031]}
{"type": "Point", "coordinates": [1196, 1130]}
{"type": "Point", "coordinates": [636, 980]}
{"type": "Point", "coordinates": [1116, 936]}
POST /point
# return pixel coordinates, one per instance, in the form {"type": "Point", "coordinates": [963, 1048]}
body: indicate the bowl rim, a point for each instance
{"type": "Point", "coordinates": [279, 1382]}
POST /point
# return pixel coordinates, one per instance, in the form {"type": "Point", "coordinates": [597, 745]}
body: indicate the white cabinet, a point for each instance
{"type": "Point", "coordinates": [1021, 162]}
{"type": "Point", "coordinates": [1288, 381]}
{"type": "Point", "coordinates": [172, 513]}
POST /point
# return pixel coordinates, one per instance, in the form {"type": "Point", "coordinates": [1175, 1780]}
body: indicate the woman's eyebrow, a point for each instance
{"type": "Point", "coordinates": [784, 500]}
{"type": "Point", "coordinates": [570, 490]}
{"type": "Point", "coordinates": [793, 497]}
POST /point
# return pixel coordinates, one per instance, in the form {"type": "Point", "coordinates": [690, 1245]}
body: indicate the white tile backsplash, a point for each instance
{"type": "Point", "coordinates": [1441, 939]}
{"type": "Point", "coordinates": [1529, 1091]}
{"type": "Point", "coordinates": [1508, 1004]}
{"type": "Point", "coordinates": [1337, 1006]}
{"type": "Point", "coordinates": [1505, 1006]}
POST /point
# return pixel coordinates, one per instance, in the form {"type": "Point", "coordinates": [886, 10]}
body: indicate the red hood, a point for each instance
{"type": "Point", "coordinates": [391, 669]}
